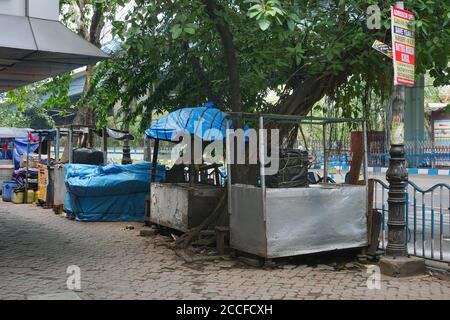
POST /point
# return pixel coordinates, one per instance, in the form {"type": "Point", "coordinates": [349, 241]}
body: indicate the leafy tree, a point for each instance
{"type": "Point", "coordinates": [178, 53]}
{"type": "Point", "coordinates": [23, 108]}
{"type": "Point", "coordinates": [87, 18]}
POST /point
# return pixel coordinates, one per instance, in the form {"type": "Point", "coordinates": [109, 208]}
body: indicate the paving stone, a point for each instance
{"type": "Point", "coordinates": [37, 247]}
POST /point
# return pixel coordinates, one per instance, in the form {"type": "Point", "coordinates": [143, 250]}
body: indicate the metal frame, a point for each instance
{"type": "Point", "coordinates": [278, 118]}
{"type": "Point", "coordinates": [423, 217]}
{"type": "Point", "coordinates": [73, 130]}
{"type": "Point", "coordinates": [262, 236]}
{"type": "Point", "coordinates": [40, 133]}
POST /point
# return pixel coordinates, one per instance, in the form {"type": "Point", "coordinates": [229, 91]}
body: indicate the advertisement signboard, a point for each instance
{"type": "Point", "coordinates": [403, 46]}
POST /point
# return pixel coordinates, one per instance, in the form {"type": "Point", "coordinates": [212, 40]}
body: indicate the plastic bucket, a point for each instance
{"type": "Point", "coordinates": [18, 197]}
{"type": "Point", "coordinates": [8, 189]}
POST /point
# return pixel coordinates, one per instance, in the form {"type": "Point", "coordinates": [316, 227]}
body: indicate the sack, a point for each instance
{"type": "Point", "coordinates": [88, 156]}
{"type": "Point", "coordinates": [293, 170]}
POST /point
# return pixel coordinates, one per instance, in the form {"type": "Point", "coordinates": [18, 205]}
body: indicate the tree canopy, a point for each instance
{"type": "Point", "coordinates": [182, 53]}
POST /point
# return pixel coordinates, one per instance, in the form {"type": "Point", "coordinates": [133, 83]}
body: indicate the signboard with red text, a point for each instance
{"type": "Point", "coordinates": [403, 46]}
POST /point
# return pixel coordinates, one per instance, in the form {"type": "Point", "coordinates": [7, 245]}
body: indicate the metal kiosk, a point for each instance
{"type": "Point", "coordinates": [281, 222]}
{"type": "Point", "coordinates": [8, 138]}
{"type": "Point", "coordinates": [45, 172]}
{"type": "Point", "coordinates": [59, 186]}
{"type": "Point", "coordinates": [191, 191]}
{"type": "Point", "coordinates": [71, 132]}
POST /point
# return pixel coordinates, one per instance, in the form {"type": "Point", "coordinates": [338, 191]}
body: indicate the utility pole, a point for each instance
{"type": "Point", "coordinates": [396, 261]}
{"type": "Point", "coordinates": [397, 174]}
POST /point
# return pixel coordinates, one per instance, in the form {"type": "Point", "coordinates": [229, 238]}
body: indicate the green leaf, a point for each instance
{"type": "Point", "coordinates": [291, 25]}
{"type": "Point", "coordinates": [176, 31]}
{"type": "Point", "coordinates": [189, 30]}
{"type": "Point", "coordinates": [264, 24]}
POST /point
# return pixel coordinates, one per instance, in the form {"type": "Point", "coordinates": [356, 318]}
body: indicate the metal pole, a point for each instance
{"type": "Point", "coordinates": [105, 146]}
{"type": "Point", "coordinates": [262, 163]}
{"type": "Point", "coordinates": [13, 153]}
{"type": "Point", "coordinates": [40, 149]}
{"type": "Point", "coordinates": [58, 136]}
{"type": "Point", "coordinates": [69, 145]}
{"type": "Point", "coordinates": [49, 148]}
{"type": "Point", "coordinates": [366, 165]}
{"type": "Point", "coordinates": [154, 160]}
{"type": "Point", "coordinates": [366, 160]}
{"type": "Point", "coordinates": [228, 163]}
{"type": "Point", "coordinates": [397, 175]}
{"type": "Point", "coordinates": [325, 153]}
{"type": "Point", "coordinates": [25, 196]}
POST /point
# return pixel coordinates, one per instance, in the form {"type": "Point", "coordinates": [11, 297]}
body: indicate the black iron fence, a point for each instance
{"type": "Point", "coordinates": [427, 219]}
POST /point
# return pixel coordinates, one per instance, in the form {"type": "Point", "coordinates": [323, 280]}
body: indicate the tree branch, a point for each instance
{"type": "Point", "coordinates": [97, 23]}
{"type": "Point", "coordinates": [230, 53]}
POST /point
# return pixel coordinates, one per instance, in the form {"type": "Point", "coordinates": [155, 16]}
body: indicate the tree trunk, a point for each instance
{"type": "Point", "coordinates": [86, 115]}
{"type": "Point", "coordinates": [230, 54]}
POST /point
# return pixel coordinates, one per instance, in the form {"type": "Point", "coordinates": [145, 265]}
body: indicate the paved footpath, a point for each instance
{"type": "Point", "coordinates": [36, 247]}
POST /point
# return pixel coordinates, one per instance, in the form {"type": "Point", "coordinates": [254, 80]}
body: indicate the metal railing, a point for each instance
{"type": "Point", "coordinates": [427, 219]}
{"type": "Point", "coordinates": [418, 154]}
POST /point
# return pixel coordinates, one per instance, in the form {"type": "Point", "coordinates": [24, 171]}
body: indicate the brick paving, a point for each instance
{"type": "Point", "coordinates": [36, 247]}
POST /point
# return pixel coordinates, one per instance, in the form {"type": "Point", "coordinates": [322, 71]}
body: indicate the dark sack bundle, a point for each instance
{"type": "Point", "coordinates": [293, 170]}
{"type": "Point", "coordinates": [88, 156]}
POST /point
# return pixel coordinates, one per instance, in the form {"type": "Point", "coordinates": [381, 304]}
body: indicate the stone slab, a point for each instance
{"type": "Point", "coordinates": [402, 266]}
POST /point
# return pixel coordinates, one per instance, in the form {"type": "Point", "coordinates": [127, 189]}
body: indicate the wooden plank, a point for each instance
{"type": "Point", "coordinates": [357, 158]}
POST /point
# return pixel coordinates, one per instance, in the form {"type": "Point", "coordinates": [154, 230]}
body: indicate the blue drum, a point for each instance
{"type": "Point", "coordinates": [8, 189]}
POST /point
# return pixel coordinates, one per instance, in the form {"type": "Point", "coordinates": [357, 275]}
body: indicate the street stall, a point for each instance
{"type": "Point", "coordinates": [21, 164]}
{"type": "Point", "coordinates": [45, 167]}
{"type": "Point", "coordinates": [107, 193]}
{"type": "Point", "coordinates": [59, 186]}
{"type": "Point", "coordinates": [71, 136]}
{"type": "Point", "coordinates": [192, 188]}
{"type": "Point", "coordinates": [8, 138]}
{"type": "Point", "coordinates": [273, 220]}
{"type": "Point", "coordinates": [90, 189]}
{"type": "Point", "coordinates": [37, 46]}
{"type": "Point", "coordinates": [34, 171]}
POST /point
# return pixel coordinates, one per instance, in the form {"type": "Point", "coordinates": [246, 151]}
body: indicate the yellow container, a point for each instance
{"type": "Point", "coordinates": [18, 197]}
{"type": "Point", "coordinates": [36, 196]}
{"type": "Point", "coordinates": [30, 196]}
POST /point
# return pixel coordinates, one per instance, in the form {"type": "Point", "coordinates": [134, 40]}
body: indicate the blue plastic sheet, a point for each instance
{"type": "Point", "coordinates": [111, 193]}
{"type": "Point", "coordinates": [21, 149]}
{"type": "Point", "coordinates": [205, 122]}
{"type": "Point", "coordinates": [21, 145]}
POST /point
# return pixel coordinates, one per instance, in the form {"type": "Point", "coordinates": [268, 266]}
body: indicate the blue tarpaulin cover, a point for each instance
{"type": "Point", "coordinates": [111, 193]}
{"type": "Point", "coordinates": [21, 149]}
{"type": "Point", "coordinates": [20, 138]}
{"type": "Point", "coordinates": [205, 122]}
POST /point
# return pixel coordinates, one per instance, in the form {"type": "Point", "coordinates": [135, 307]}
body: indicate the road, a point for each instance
{"type": "Point", "coordinates": [37, 248]}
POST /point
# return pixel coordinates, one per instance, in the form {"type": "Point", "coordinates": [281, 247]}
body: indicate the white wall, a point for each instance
{"type": "Point", "coordinates": [12, 7]}
{"type": "Point", "coordinates": [43, 9]}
